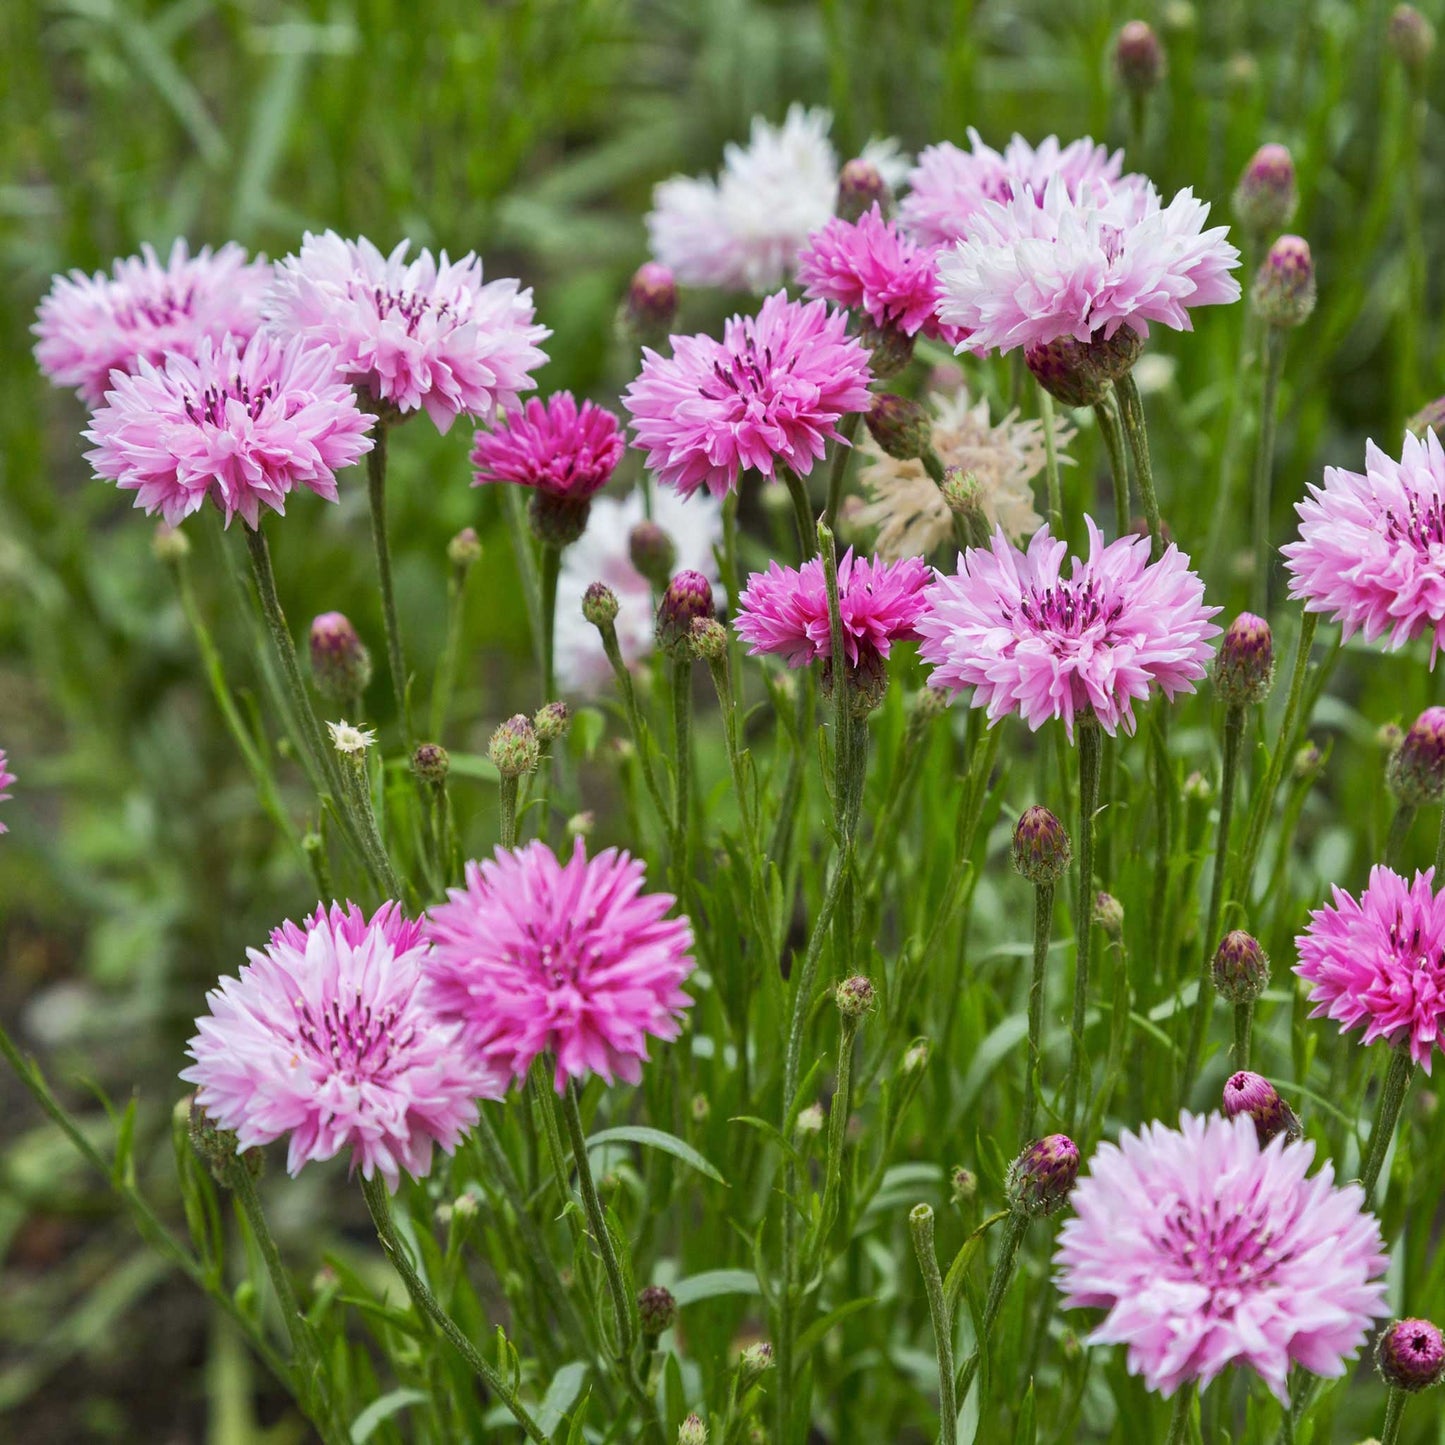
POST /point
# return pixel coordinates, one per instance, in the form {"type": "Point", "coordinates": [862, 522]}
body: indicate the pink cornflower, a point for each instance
{"type": "Point", "coordinates": [1207, 1250]}
{"type": "Point", "coordinates": [558, 448]}
{"type": "Point", "coordinates": [1371, 549]}
{"type": "Point", "coordinates": [328, 1035]}
{"type": "Point", "coordinates": [413, 334]}
{"type": "Point", "coordinates": [1381, 961]}
{"type": "Point", "coordinates": [6, 779]}
{"type": "Point", "coordinates": [89, 326]}
{"type": "Point", "coordinates": [535, 955]}
{"type": "Point", "coordinates": [1029, 640]}
{"type": "Point", "coordinates": [768, 395]}
{"type": "Point", "coordinates": [785, 609]}
{"type": "Point", "coordinates": [870, 266]}
{"type": "Point", "coordinates": [242, 426]}
{"type": "Point", "coordinates": [1082, 266]}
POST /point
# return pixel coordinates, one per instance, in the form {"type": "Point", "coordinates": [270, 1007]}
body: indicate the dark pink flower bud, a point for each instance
{"type": "Point", "coordinates": [551, 722]}
{"type": "Point", "coordinates": [688, 597]}
{"type": "Point", "coordinates": [599, 605]}
{"type": "Point", "coordinates": [854, 997]}
{"type": "Point", "coordinates": [431, 763]}
{"type": "Point", "coordinates": [1139, 58]}
{"type": "Point", "coordinates": [1416, 770]}
{"type": "Point", "coordinates": [1041, 848]}
{"type": "Point", "coordinates": [1411, 1355]}
{"type": "Point", "coordinates": [1080, 373]}
{"type": "Point", "coordinates": [1040, 1179]}
{"type": "Point", "coordinates": [1241, 968]}
{"type": "Point", "coordinates": [1284, 286]}
{"type": "Point", "coordinates": [1412, 38]}
{"type": "Point", "coordinates": [652, 552]}
{"type": "Point", "coordinates": [656, 1309]}
{"type": "Point", "coordinates": [901, 427]}
{"type": "Point", "coordinates": [514, 748]}
{"type": "Point", "coordinates": [860, 186]}
{"type": "Point", "coordinates": [1265, 199]}
{"type": "Point", "coordinates": [651, 302]}
{"type": "Point", "coordinates": [340, 663]}
{"type": "Point", "coordinates": [1246, 1093]}
{"type": "Point", "coordinates": [1245, 668]}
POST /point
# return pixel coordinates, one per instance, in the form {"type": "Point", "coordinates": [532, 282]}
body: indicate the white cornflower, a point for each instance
{"type": "Point", "coordinates": [349, 739]}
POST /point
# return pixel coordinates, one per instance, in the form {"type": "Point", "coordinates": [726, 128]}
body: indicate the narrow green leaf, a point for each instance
{"type": "Point", "coordinates": [561, 1394]}
{"type": "Point", "coordinates": [713, 1283]}
{"type": "Point", "coordinates": [391, 1403]}
{"type": "Point", "coordinates": [655, 1139]}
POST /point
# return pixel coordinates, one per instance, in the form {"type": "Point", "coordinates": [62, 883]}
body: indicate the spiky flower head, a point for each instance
{"type": "Point", "coordinates": [708, 639]}
{"type": "Point", "coordinates": [349, 740]}
{"type": "Point", "coordinates": [1139, 57]}
{"type": "Point", "coordinates": [688, 597]}
{"type": "Point", "coordinates": [656, 1309]}
{"type": "Point", "coordinates": [900, 426]}
{"type": "Point", "coordinates": [1416, 770]}
{"type": "Point", "coordinates": [1265, 199]}
{"type": "Point", "coordinates": [1244, 669]}
{"type": "Point", "coordinates": [1411, 1355]}
{"type": "Point", "coordinates": [861, 187]}
{"type": "Point", "coordinates": [219, 1149]}
{"type": "Point", "coordinates": [755, 1360]}
{"type": "Point", "coordinates": [340, 663]}
{"type": "Point", "coordinates": [599, 604]}
{"type": "Point", "coordinates": [557, 447]}
{"type": "Point", "coordinates": [1109, 914]}
{"type": "Point", "coordinates": [514, 748]}
{"type": "Point", "coordinates": [1206, 1250]}
{"type": "Point", "coordinates": [854, 997]}
{"type": "Point", "coordinates": [652, 552]}
{"type": "Point", "coordinates": [1041, 848]}
{"type": "Point", "coordinates": [431, 763]}
{"type": "Point", "coordinates": [465, 549]}
{"type": "Point", "coordinates": [1284, 285]}
{"type": "Point", "coordinates": [1082, 373]}
{"type": "Point", "coordinates": [536, 955]}
{"type": "Point", "coordinates": [692, 1431]}
{"type": "Point", "coordinates": [1240, 969]}
{"type": "Point", "coordinates": [551, 722]}
{"type": "Point", "coordinates": [1254, 1096]}
{"type": "Point", "coordinates": [1040, 1179]}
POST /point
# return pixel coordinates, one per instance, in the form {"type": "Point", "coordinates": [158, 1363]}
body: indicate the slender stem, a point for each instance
{"type": "Point", "coordinates": [682, 765]}
{"type": "Point", "coordinates": [514, 508]}
{"type": "Point", "coordinates": [446, 673]}
{"type": "Point", "coordinates": [802, 513]}
{"type": "Point", "coordinates": [551, 570]}
{"type": "Point", "coordinates": [1394, 1414]}
{"type": "Point", "coordinates": [1112, 431]}
{"type": "Point", "coordinates": [1264, 464]}
{"type": "Point", "coordinates": [1204, 1002]}
{"type": "Point", "coordinates": [1392, 1097]}
{"type": "Point", "coordinates": [1090, 748]}
{"type": "Point", "coordinates": [507, 802]}
{"type": "Point", "coordinates": [1131, 409]}
{"type": "Point", "coordinates": [920, 1225]}
{"type": "Point", "coordinates": [359, 791]}
{"type": "Point", "coordinates": [379, 1203]}
{"type": "Point", "coordinates": [1440, 847]}
{"type": "Point", "coordinates": [1051, 464]}
{"type": "Point", "coordinates": [1179, 1420]}
{"type": "Point", "coordinates": [1043, 928]}
{"type": "Point", "coordinates": [838, 1113]}
{"type": "Point", "coordinates": [376, 494]}
{"type": "Point", "coordinates": [1243, 1027]}
{"type": "Point", "coordinates": [933, 465]}
{"type": "Point", "coordinates": [1399, 834]}
{"type": "Point", "coordinates": [844, 763]}
{"type": "Point", "coordinates": [842, 452]}
{"type": "Point", "coordinates": [1003, 1273]}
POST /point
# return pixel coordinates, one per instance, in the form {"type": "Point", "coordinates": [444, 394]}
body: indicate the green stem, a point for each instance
{"type": "Point", "coordinates": [682, 764]}
{"type": "Point", "coordinates": [1243, 1027]}
{"type": "Point", "coordinates": [837, 1130]}
{"type": "Point", "coordinates": [1394, 1414]}
{"type": "Point", "coordinates": [519, 531]}
{"type": "Point", "coordinates": [641, 738]}
{"type": "Point", "coordinates": [1274, 337]}
{"type": "Point", "coordinates": [920, 1225]}
{"type": "Point", "coordinates": [1043, 928]}
{"type": "Point", "coordinates": [1440, 848]}
{"type": "Point", "coordinates": [1051, 464]}
{"type": "Point", "coordinates": [376, 495]}
{"type": "Point", "coordinates": [379, 1203]}
{"type": "Point", "coordinates": [1392, 1097]}
{"type": "Point", "coordinates": [1090, 749]}
{"type": "Point", "coordinates": [1003, 1273]}
{"type": "Point", "coordinates": [842, 452]}
{"type": "Point", "coordinates": [446, 673]}
{"type": "Point", "coordinates": [358, 791]}
{"type": "Point", "coordinates": [1112, 431]}
{"type": "Point", "coordinates": [802, 513]}
{"type": "Point", "coordinates": [1179, 1420]}
{"type": "Point", "coordinates": [1131, 409]}
{"type": "Point", "coordinates": [551, 570]}
{"type": "Point", "coordinates": [1399, 834]}
{"type": "Point", "coordinates": [507, 803]}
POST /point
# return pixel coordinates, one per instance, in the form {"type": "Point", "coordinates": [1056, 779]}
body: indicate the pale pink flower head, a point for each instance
{"type": "Point", "coordinates": [557, 447]}
{"type": "Point", "coordinates": [425, 333]}
{"type": "Point", "coordinates": [536, 956]}
{"type": "Point", "coordinates": [1028, 639]}
{"type": "Point", "coordinates": [1380, 962]}
{"type": "Point", "coordinates": [1208, 1250]}
{"type": "Point", "coordinates": [1029, 274]}
{"type": "Point", "coordinates": [6, 779]}
{"type": "Point", "coordinates": [89, 326]}
{"type": "Point", "coordinates": [768, 395]}
{"type": "Point", "coordinates": [949, 186]}
{"type": "Point", "coordinates": [329, 1036]}
{"type": "Point", "coordinates": [241, 425]}
{"type": "Point", "coordinates": [1371, 549]}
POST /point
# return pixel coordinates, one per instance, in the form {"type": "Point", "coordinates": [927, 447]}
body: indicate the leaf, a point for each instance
{"type": "Point", "coordinates": [561, 1394]}
{"type": "Point", "coordinates": [575, 1433]}
{"type": "Point", "coordinates": [383, 1409]}
{"type": "Point", "coordinates": [958, 1270]}
{"type": "Point", "coordinates": [1026, 1431]}
{"type": "Point", "coordinates": [656, 1139]}
{"type": "Point", "coordinates": [713, 1283]}
{"type": "Point", "coordinates": [474, 765]}
{"type": "Point", "coordinates": [818, 1331]}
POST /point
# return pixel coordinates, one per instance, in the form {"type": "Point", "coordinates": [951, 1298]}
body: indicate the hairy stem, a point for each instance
{"type": "Point", "coordinates": [1090, 748]}
{"type": "Point", "coordinates": [1043, 928]}
{"type": "Point", "coordinates": [376, 495]}
{"type": "Point", "coordinates": [1131, 409]}
{"type": "Point", "coordinates": [1274, 337]}
{"type": "Point", "coordinates": [920, 1225]}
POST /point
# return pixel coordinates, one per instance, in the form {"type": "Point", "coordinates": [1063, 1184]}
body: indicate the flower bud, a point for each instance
{"type": "Point", "coordinates": [1245, 666]}
{"type": "Point", "coordinates": [809, 1121]}
{"type": "Point", "coordinates": [901, 427]}
{"type": "Point", "coordinates": [652, 552]}
{"type": "Point", "coordinates": [915, 1056]}
{"type": "Point", "coordinates": [854, 997]}
{"type": "Point", "coordinates": [1416, 772]}
{"type": "Point", "coordinates": [656, 1309]}
{"type": "Point", "coordinates": [1264, 201]}
{"type": "Point", "coordinates": [651, 303]}
{"type": "Point", "coordinates": [1284, 285]}
{"type": "Point", "coordinates": [1246, 1093]}
{"type": "Point", "coordinates": [430, 763]}
{"type": "Point", "coordinates": [1412, 38]}
{"type": "Point", "coordinates": [218, 1149]}
{"type": "Point", "coordinates": [1040, 1179]}
{"type": "Point", "coordinates": [1240, 969]}
{"type": "Point", "coordinates": [1306, 762]}
{"type": "Point", "coordinates": [688, 597]}
{"type": "Point", "coordinates": [557, 521]}
{"type": "Point", "coordinates": [1430, 417]}
{"type": "Point", "coordinates": [514, 748]}
{"type": "Point", "coordinates": [963, 496]}
{"type": "Point", "coordinates": [708, 639]}
{"type": "Point", "coordinates": [581, 825]}
{"type": "Point", "coordinates": [860, 186]}
{"type": "Point", "coordinates": [692, 1431]}
{"type": "Point", "coordinates": [889, 349]}
{"type": "Point", "coordinates": [170, 544]}
{"type": "Point", "coordinates": [340, 663]}
{"type": "Point", "coordinates": [1389, 736]}
{"type": "Point", "coordinates": [754, 1362]}
{"type": "Point", "coordinates": [551, 722]}
{"type": "Point", "coordinates": [465, 549]}
{"type": "Point", "coordinates": [1080, 373]}
{"type": "Point", "coordinates": [1109, 915]}
{"type": "Point", "coordinates": [1138, 58]}
{"type": "Point", "coordinates": [963, 1184]}
{"type": "Point", "coordinates": [701, 1108]}
{"type": "Point", "coordinates": [599, 605]}
{"type": "Point", "coordinates": [1411, 1354]}
{"type": "Point", "coordinates": [929, 703]}
{"type": "Point", "coordinates": [1041, 847]}
{"type": "Point", "coordinates": [1197, 788]}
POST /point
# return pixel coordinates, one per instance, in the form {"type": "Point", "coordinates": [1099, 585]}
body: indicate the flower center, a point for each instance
{"type": "Point", "coordinates": [744, 375]}
{"type": "Point", "coordinates": [1422, 526]}
{"type": "Point", "coordinates": [561, 951]}
{"type": "Point", "coordinates": [1068, 609]}
{"type": "Point", "coordinates": [356, 1042]}
{"type": "Point", "coordinates": [1231, 1252]}
{"type": "Point", "coordinates": [210, 406]}
{"type": "Point", "coordinates": [410, 306]}
{"type": "Point", "coordinates": [161, 309]}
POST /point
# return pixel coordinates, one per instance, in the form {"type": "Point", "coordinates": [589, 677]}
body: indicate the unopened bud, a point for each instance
{"type": "Point", "coordinates": [1040, 1179]}
{"type": "Point", "coordinates": [1430, 417]}
{"type": "Point", "coordinates": [431, 763]}
{"type": "Point", "coordinates": [1041, 847]}
{"type": "Point", "coordinates": [860, 187]}
{"type": "Point", "coordinates": [963, 1185]}
{"type": "Point", "coordinates": [652, 552]}
{"type": "Point", "coordinates": [1139, 58]}
{"type": "Point", "coordinates": [557, 520]}
{"type": "Point", "coordinates": [465, 549]}
{"type": "Point", "coordinates": [340, 663]}
{"type": "Point", "coordinates": [1416, 772]}
{"type": "Point", "coordinates": [901, 427]}
{"type": "Point", "coordinates": [754, 1362]}
{"type": "Point", "coordinates": [701, 1108]}
{"type": "Point", "coordinates": [915, 1056]}
{"type": "Point", "coordinates": [218, 1149]}
{"type": "Point", "coordinates": [580, 825]}
{"type": "Point", "coordinates": [1109, 915]}
{"type": "Point", "coordinates": [1411, 1355]}
{"type": "Point", "coordinates": [854, 997]}
{"type": "Point", "coordinates": [1251, 1094]}
{"type": "Point", "coordinates": [1245, 667]}
{"type": "Point", "coordinates": [1197, 788]}
{"type": "Point", "coordinates": [1389, 736]}
{"type": "Point", "coordinates": [1264, 201]}
{"type": "Point", "coordinates": [1080, 373]}
{"type": "Point", "coordinates": [656, 1309]}
{"type": "Point", "coordinates": [1284, 286]}
{"type": "Point", "coordinates": [1412, 38]}
{"type": "Point", "coordinates": [688, 597]}
{"type": "Point", "coordinates": [651, 303]}
{"type": "Point", "coordinates": [708, 639]}
{"type": "Point", "coordinates": [1240, 969]}
{"type": "Point", "coordinates": [809, 1121]}
{"type": "Point", "coordinates": [692, 1431]}
{"type": "Point", "coordinates": [170, 544]}
{"type": "Point", "coordinates": [1306, 762]}
{"type": "Point", "coordinates": [889, 349]}
{"type": "Point", "coordinates": [514, 748]}
{"type": "Point", "coordinates": [929, 703]}
{"type": "Point", "coordinates": [551, 722]}
{"type": "Point", "coordinates": [963, 495]}
{"type": "Point", "coordinates": [599, 605]}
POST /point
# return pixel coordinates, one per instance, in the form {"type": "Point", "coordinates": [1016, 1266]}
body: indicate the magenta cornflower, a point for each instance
{"type": "Point", "coordinates": [425, 333]}
{"type": "Point", "coordinates": [1380, 962]}
{"type": "Point", "coordinates": [785, 609]}
{"type": "Point", "coordinates": [870, 266]}
{"type": "Point", "coordinates": [1371, 549]}
{"type": "Point", "coordinates": [556, 447]}
{"type": "Point", "coordinates": [6, 779]}
{"type": "Point", "coordinates": [537, 956]}
{"type": "Point", "coordinates": [329, 1036]}
{"type": "Point", "coordinates": [768, 395]}
{"type": "Point", "coordinates": [1026, 639]}
{"type": "Point", "coordinates": [244, 427]}
{"type": "Point", "coordinates": [1029, 274]}
{"type": "Point", "coordinates": [89, 326]}
{"type": "Point", "coordinates": [1207, 1250]}
{"type": "Point", "coordinates": [948, 186]}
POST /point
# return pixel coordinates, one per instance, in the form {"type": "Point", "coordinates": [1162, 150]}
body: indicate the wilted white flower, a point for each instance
{"type": "Point", "coordinates": [348, 738]}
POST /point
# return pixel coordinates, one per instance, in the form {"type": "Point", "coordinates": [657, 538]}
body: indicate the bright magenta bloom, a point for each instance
{"type": "Point", "coordinates": [1371, 553]}
{"type": "Point", "coordinates": [1207, 1250]}
{"type": "Point", "coordinates": [424, 333]}
{"type": "Point", "coordinates": [785, 609]}
{"type": "Point", "coordinates": [1029, 640]}
{"type": "Point", "coordinates": [535, 955]}
{"type": "Point", "coordinates": [870, 266]}
{"type": "Point", "coordinates": [6, 779]}
{"type": "Point", "coordinates": [243, 427]}
{"type": "Point", "coordinates": [329, 1036]}
{"type": "Point", "coordinates": [89, 326]}
{"type": "Point", "coordinates": [559, 448]}
{"type": "Point", "coordinates": [1381, 961]}
{"type": "Point", "coordinates": [769, 394]}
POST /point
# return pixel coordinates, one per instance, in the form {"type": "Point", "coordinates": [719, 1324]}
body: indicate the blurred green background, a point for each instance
{"type": "Point", "coordinates": [531, 131]}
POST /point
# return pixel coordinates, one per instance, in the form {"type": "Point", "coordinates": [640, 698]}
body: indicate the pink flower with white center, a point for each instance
{"type": "Point", "coordinates": [329, 1036]}
{"type": "Point", "coordinates": [557, 447]}
{"type": "Point", "coordinates": [1082, 266]}
{"type": "Point", "coordinates": [785, 609]}
{"type": "Point", "coordinates": [536, 956]}
{"type": "Point", "coordinates": [425, 333]}
{"type": "Point", "coordinates": [1027, 639]}
{"type": "Point", "coordinates": [6, 779]}
{"type": "Point", "coordinates": [241, 426]}
{"type": "Point", "coordinates": [768, 395]}
{"type": "Point", "coordinates": [1371, 549]}
{"type": "Point", "coordinates": [89, 326]}
{"type": "Point", "coordinates": [949, 186]}
{"type": "Point", "coordinates": [869, 266]}
{"type": "Point", "coordinates": [1380, 962]}
{"type": "Point", "coordinates": [1207, 1250]}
